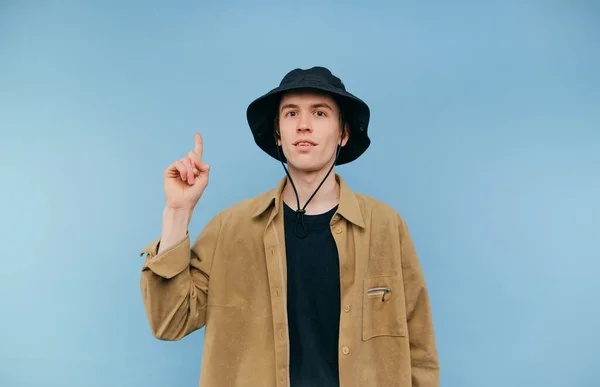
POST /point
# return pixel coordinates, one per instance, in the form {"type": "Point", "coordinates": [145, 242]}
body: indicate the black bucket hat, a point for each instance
{"type": "Point", "coordinates": [261, 112]}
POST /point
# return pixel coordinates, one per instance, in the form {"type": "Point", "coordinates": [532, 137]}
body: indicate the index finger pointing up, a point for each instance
{"type": "Point", "coordinates": [198, 148]}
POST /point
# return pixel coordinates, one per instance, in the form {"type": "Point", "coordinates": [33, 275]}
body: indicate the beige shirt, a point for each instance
{"type": "Point", "coordinates": [232, 281]}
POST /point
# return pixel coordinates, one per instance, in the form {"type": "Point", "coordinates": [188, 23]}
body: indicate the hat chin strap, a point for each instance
{"type": "Point", "coordinates": [301, 211]}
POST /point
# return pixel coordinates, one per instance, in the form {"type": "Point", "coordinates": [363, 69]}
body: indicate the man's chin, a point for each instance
{"type": "Point", "coordinates": [306, 167]}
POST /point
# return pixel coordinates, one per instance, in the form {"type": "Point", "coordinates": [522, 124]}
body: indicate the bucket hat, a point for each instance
{"type": "Point", "coordinates": [262, 111]}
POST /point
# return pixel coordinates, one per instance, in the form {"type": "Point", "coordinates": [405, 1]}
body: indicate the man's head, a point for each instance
{"type": "Point", "coordinates": [309, 126]}
{"type": "Point", "coordinates": [323, 86]}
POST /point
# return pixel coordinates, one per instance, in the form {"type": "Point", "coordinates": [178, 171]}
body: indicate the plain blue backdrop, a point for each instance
{"type": "Point", "coordinates": [486, 139]}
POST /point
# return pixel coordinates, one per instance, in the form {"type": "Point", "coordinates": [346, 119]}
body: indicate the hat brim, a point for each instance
{"type": "Point", "coordinates": [262, 111]}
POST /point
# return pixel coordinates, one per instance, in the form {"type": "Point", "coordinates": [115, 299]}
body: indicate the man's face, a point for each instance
{"type": "Point", "coordinates": [310, 129]}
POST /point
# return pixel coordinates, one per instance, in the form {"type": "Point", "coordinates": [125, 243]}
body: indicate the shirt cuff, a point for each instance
{"type": "Point", "coordinates": [170, 262]}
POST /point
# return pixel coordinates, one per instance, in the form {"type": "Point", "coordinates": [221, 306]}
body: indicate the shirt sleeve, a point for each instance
{"type": "Point", "coordinates": [174, 283]}
{"type": "Point", "coordinates": [423, 350]}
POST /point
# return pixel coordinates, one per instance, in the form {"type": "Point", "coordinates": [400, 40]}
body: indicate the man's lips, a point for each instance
{"type": "Point", "coordinates": [305, 143]}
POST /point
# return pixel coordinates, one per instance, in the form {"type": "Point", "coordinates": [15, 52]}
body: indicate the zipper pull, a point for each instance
{"type": "Point", "coordinates": [385, 291]}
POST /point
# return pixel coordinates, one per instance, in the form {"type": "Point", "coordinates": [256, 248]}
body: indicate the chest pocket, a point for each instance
{"type": "Point", "coordinates": [384, 312]}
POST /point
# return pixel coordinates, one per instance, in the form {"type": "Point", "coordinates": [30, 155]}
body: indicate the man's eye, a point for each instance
{"type": "Point", "coordinates": [321, 113]}
{"type": "Point", "coordinates": [290, 114]}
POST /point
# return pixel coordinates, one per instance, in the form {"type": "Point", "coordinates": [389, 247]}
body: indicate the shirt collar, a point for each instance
{"type": "Point", "coordinates": [349, 207]}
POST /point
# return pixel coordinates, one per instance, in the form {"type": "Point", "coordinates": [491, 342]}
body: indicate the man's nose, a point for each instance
{"type": "Point", "coordinates": [304, 125]}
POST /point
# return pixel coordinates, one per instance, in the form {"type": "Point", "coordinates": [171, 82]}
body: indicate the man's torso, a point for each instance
{"type": "Point", "coordinates": [248, 329]}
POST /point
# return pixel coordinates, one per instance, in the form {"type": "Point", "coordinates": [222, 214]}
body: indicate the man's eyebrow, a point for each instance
{"type": "Point", "coordinates": [289, 106]}
{"type": "Point", "coordinates": [317, 105]}
{"type": "Point", "coordinates": [322, 105]}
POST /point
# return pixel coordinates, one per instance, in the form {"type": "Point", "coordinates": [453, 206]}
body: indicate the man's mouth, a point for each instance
{"type": "Point", "coordinates": [304, 143]}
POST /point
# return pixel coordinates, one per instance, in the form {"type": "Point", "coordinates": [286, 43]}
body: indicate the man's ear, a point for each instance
{"type": "Point", "coordinates": [276, 131]}
{"type": "Point", "coordinates": [346, 133]}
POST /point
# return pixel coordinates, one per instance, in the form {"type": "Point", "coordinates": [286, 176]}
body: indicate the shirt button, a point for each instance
{"type": "Point", "coordinates": [347, 308]}
{"type": "Point", "coordinates": [338, 230]}
{"type": "Point", "coordinates": [281, 334]}
{"type": "Point", "coordinates": [345, 350]}
{"type": "Point", "coordinates": [276, 292]}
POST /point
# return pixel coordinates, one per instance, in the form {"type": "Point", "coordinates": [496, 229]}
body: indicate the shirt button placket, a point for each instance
{"type": "Point", "coordinates": [282, 377]}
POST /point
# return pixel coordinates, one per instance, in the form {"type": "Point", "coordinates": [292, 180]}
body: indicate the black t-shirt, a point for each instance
{"type": "Point", "coordinates": [313, 305]}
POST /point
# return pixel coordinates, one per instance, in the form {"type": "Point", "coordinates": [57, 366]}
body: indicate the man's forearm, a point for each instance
{"type": "Point", "coordinates": [175, 224]}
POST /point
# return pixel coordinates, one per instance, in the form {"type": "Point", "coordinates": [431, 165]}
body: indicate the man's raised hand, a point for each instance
{"type": "Point", "coordinates": [186, 179]}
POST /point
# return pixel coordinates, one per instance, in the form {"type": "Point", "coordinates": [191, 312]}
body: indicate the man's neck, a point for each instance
{"type": "Point", "coordinates": [325, 199]}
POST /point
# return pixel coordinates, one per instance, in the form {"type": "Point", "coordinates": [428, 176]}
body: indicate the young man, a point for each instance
{"type": "Point", "coordinates": [308, 284]}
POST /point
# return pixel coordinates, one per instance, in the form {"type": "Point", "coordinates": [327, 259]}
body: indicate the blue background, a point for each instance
{"type": "Point", "coordinates": [486, 138]}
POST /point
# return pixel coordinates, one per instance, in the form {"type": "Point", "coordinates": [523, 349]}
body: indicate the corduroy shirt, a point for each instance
{"type": "Point", "coordinates": [232, 280]}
